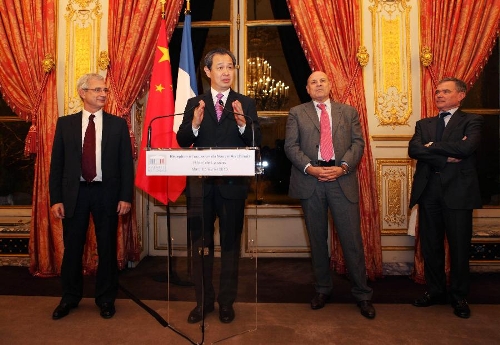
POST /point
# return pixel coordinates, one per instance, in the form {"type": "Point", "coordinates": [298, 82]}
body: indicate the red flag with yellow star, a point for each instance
{"type": "Point", "coordinates": [160, 102]}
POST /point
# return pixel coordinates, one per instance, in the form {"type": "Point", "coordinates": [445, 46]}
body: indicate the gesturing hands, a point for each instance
{"type": "Point", "coordinates": [198, 115]}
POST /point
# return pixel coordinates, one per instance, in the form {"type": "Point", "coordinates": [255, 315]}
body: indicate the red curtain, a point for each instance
{"type": "Point", "coordinates": [329, 32]}
{"type": "Point", "coordinates": [133, 29]}
{"type": "Point", "coordinates": [460, 36]}
{"type": "Point", "coordinates": [28, 82]}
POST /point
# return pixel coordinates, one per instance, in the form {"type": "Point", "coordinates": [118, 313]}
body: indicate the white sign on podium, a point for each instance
{"type": "Point", "coordinates": [201, 162]}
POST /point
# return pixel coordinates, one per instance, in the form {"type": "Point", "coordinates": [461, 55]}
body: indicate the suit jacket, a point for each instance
{"type": "Point", "coordinates": [116, 162]}
{"type": "Point", "coordinates": [459, 181]}
{"type": "Point", "coordinates": [302, 144]}
{"type": "Point", "coordinates": [224, 133]}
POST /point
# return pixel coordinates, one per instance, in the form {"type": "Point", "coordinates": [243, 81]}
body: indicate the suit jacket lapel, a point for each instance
{"type": "Point", "coordinates": [106, 118]}
{"type": "Point", "coordinates": [453, 123]}
{"type": "Point", "coordinates": [228, 108]}
{"type": "Point", "coordinates": [431, 124]}
{"type": "Point", "coordinates": [76, 125]}
{"type": "Point", "coordinates": [313, 115]}
{"type": "Point", "coordinates": [335, 118]}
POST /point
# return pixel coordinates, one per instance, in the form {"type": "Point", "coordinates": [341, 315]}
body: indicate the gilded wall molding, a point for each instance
{"type": "Point", "coordinates": [391, 61]}
{"type": "Point", "coordinates": [401, 137]}
{"type": "Point", "coordinates": [83, 32]}
{"type": "Point", "coordinates": [394, 177]}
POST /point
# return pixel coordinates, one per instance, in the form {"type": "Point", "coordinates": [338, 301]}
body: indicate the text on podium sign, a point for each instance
{"type": "Point", "coordinates": [208, 162]}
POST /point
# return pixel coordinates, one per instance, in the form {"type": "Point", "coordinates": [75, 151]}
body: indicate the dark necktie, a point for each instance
{"type": "Point", "coordinates": [325, 134]}
{"type": "Point", "coordinates": [88, 152]}
{"type": "Point", "coordinates": [440, 126]}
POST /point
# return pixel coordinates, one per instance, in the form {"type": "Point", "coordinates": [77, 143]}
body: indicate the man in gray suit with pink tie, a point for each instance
{"type": "Point", "coordinates": [324, 143]}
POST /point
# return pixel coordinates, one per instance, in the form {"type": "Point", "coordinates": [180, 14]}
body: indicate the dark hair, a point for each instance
{"type": "Point", "coordinates": [220, 51]}
{"type": "Point", "coordinates": [460, 85]}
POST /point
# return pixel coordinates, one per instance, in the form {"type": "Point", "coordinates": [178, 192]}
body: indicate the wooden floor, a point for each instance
{"type": "Point", "coordinates": [27, 320]}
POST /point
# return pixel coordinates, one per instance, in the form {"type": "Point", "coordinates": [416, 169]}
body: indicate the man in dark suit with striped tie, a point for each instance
{"type": "Point", "coordinates": [214, 119]}
{"type": "Point", "coordinates": [446, 188]}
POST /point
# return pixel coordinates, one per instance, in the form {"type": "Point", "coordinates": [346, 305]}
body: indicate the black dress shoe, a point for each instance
{"type": "Point", "coordinates": [226, 313]}
{"type": "Point", "coordinates": [196, 315]}
{"type": "Point", "coordinates": [427, 300]}
{"type": "Point", "coordinates": [319, 300]}
{"type": "Point", "coordinates": [62, 310]}
{"type": "Point", "coordinates": [461, 309]}
{"type": "Point", "coordinates": [367, 309]}
{"type": "Point", "coordinates": [107, 310]}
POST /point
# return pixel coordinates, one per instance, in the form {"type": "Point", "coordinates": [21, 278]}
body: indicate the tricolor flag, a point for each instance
{"type": "Point", "coordinates": [186, 79]}
{"type": "Point", "coordinates": [160, 102]}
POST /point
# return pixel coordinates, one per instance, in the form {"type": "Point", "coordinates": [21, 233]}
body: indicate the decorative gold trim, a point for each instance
{"type": "Point", "coordinates": [485, 240]}
{"type": "Point", "coordinates": [103, 61]}
{"type": "Point", "coordinates": [426, 56]}
{"type": "Point", "coordinates": [391, 137]}
{"type": "Point", "coordinates": [397, 248]}
{"type": "Point", "coordinates": [363, 56]}
{"type": "Point", "coordinates": [82, 44]}
{"type": "Point", "coordinates": [494, 112]}
{"type": "Point", "coordinates": [484, 262]}
{"type": "Point", "coordinates": [48, 63]}
{"type": "Point", "coordinates": [394, 177]}
{"type": "Point", "coordinates": [391, 61]}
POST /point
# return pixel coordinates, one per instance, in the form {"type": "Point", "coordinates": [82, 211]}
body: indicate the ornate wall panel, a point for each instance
{"type": "Point", "coordinates": [391, 61]}
{"type": "Point", "coordinates": [394, 178]}
{"type": "Point", "coordinates": [83, 19]}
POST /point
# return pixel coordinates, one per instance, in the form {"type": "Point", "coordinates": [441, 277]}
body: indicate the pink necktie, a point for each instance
{"type": "Point", "coordinates": [88, 152]}
{"type": "Point", "coordinates": [218, 106]}
{"type": "Point", "coordinates": [325, 142]}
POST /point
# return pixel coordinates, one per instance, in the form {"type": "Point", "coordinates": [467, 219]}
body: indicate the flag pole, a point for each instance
{"type": "Point", "coordinates": [172, 277]}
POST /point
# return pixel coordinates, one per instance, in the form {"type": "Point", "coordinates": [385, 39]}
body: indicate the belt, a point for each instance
{"type": "Point", "coordinates": [92, 183]}
{"type": "Point", "coordinates": [330, 163]}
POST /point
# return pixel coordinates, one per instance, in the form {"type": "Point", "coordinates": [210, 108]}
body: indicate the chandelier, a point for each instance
{"type": "Point", "coordinates": [268, 93]}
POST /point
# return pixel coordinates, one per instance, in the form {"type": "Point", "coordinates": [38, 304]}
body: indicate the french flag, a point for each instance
{"type": "Point", "coordinates": [186, 78]}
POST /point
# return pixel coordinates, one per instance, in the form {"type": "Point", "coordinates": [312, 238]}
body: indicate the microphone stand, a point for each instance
{"type": "Point", "coordinates": [150, 128]}
{"type": "Point", "coordinates": [172, 275]}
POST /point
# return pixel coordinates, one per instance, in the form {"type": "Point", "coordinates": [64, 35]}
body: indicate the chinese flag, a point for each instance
{"type": "Point", "coordinates": [160, 102]}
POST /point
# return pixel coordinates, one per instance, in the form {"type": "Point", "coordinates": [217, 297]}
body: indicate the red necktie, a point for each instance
{"type": "Point", "coordinates": [88, 152]}
{"type": "Point", "coordinates": [218, 106]}
{"type": "Point", "coordinates": [325, 141]}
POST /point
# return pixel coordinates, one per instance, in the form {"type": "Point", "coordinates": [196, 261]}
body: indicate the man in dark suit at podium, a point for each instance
{"type": "Point", "coordinates": [91, 173]}
{"type": "Point", "coordinates": [219, 118]}
{"type": "Point", "coordinates": [446, 188]}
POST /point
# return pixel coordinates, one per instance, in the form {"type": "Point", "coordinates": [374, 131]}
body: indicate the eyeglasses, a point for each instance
{"type": "Point", "coordinates": [98, 90]}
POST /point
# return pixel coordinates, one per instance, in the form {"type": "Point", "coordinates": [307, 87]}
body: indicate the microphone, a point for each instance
{"type": "Point", "coordinates": [245, 116]}
{"type": "Point", "coordinates": [148, 145]}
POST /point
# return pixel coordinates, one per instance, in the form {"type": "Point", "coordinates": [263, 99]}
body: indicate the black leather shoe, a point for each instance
{"type": "Point", "coordinates": [62, 310]}
{"type": "Point", "coordinates": [226, 313]}
{"type": "Point", "coordinates": [319, 300]}
{"type": "Point", "coordinates": [367, 309]}
{"type": "Point", "coordinates": [196, 314]}
{"type": "Point", "coordinates": [107, 310]}
{"type": "Point", "coordinates": [427, 300]}
{"type": "Point", "coordinates": [461, 309]}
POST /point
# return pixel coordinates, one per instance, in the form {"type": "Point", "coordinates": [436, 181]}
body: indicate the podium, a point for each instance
{"type": "Point", "coordinates": [207, 163]}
